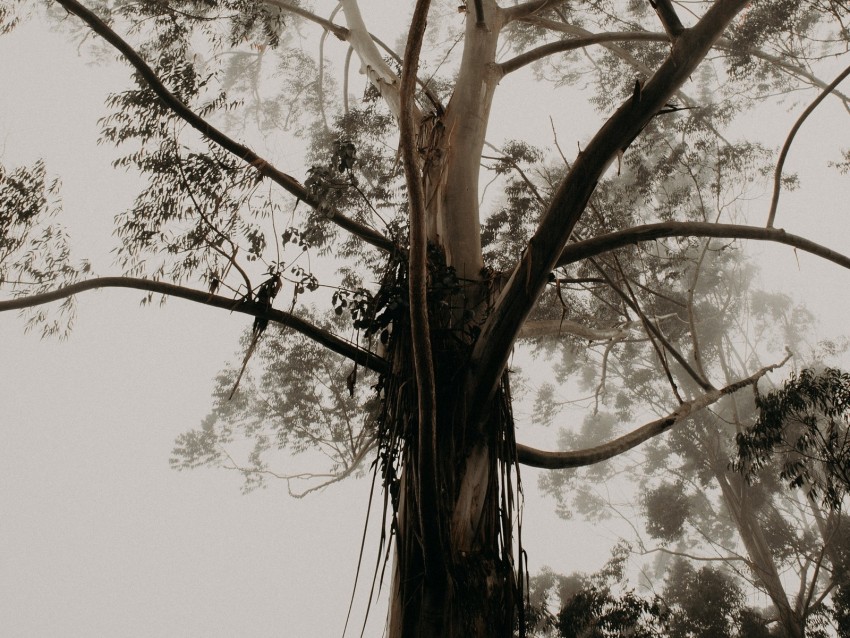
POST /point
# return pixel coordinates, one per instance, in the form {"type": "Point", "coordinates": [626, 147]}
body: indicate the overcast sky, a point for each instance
{"type": "Point", "coordinates": [98, 537]}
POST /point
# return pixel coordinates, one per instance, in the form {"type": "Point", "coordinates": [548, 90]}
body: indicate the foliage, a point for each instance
{"type": "Point", "coordinates": [804, 427]}
{"type": "Point", "coordinates": [35, 254]}
{"type": "Point", "coordinates": [597, 605]}
{"type": "Point", "coordinates": [690, 501]}
{"type": "Point", "coordinates": [304, 401]}
{"type": "Point", "coordinates": [693, 603]}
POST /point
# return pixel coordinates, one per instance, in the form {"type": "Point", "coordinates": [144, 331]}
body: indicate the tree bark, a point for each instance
{"type": "Point", "coordinates": [764, 569]}
{"type": "Point", "coordinates": [470, 589]}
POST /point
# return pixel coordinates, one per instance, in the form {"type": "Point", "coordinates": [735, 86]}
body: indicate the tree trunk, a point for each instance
{"type": "Point", "coordinates": [761, 559]}
{"type": "Point", "coordinates": [470, 588]}
{"type": "Point", "coordinates": [474, 590]}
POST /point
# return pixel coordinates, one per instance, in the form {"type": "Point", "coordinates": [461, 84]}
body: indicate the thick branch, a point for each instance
{"type": "Point", "coordinates": [323, 337]}
{"type": "Point", "coordinates": [777, 178]}
{"type": "Point", "coordinates": [244, 153]}
{"type": "Point", "coordinates": [649, 232]}
{"type": "Point", "coordinates": [345, 35]}
{"type": "Point", "coordinates": [579, 458]}
{"type": "Point", "coordinates": [372, 64]}
{"type": "Point", "coordinates": [543, 251]}
{"type": "Point", "coordinates": [667, 15]}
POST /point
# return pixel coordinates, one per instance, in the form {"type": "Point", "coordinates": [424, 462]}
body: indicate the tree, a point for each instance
{"type": "Point", "coordinates": [436, 300]}
{"type": "Point", "coordinates": [806, 423]}
{"type": "Point", "coordinates": [690, 503]}
{"type": "Point", "coordinates": [705, 602]}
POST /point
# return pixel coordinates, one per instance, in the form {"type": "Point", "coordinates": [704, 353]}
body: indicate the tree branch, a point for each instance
{"type": "Point", "coordinates": [244, 153]}
{"type": "Point", "coordinates": [570, 200]}
{"type": "Point", "coordinates": [777, 177]}
{"type": "Point", "coordinates": [339, 31]}
{"type": "Point", "coordinates": [321, 336]}
{"type": "Point", "coordinates": [372, 63]}
{"type": "Point", "coordinates": [423, 363]}
{"type": "Point", "coordinates": [348, 470]}
{"type": "Point", "coordinates": [558, 327]}
{"type": "Point", "coordinates": [649, 232]}
{"type": "Point", "coordinates": [579, 458]}
{"type": "Point", "coordinates": [345, 35]}
{"type": "Point", "coordinates": [721, 43]}
{"type": "Point", "coordinates": [579, 42]}
{"type": "Point", "coordinates": [667, 15]}
{"type": "Point", "coordinates": [791, 69]}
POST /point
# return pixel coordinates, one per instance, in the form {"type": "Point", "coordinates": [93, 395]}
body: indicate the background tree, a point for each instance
{"type": "Point", "coordinates": [696, 507]}
{"type": "Point", "coordinates": [431, 317]}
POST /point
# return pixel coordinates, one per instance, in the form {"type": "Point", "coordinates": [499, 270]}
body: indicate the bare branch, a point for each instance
{"type": "Point", "coordinates": [321, 336]}
{"type": "Point", "coordinates": [348, 470]}
{"type": "Point", "coordinates": [579, 458]}
{"type": "Point", "coordinates": [667, 14]}
{"type": "Point", "coordinates": [244, 153]}
{"type": "Point", "coordinates": [570, 200]}
{"type": "Point", "coordinates": [649, 232]}
{"type": "Point", "coordinates": [579, 42]}
{"type": "Point", "coordinates": [777, 177]}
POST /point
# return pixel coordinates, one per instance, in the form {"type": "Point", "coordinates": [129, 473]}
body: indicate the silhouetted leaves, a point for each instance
{"type": "Point", "coordinates": [803, 427]}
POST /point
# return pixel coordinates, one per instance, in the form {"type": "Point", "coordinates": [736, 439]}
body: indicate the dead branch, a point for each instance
{"type": "Point", "coordinates": [777, 176]}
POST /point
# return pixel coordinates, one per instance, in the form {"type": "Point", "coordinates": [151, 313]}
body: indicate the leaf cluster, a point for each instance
{"type": "Point", "coordinates": [803, 427]}
{"type": "Point", "coordinates": [35, 251]}
{"type": "Point", "coordinates": [693, 603]}
{"type": "Point", "coordinates": [300, 400]}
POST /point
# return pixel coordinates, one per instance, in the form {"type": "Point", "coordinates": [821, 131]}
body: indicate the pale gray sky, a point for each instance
{"type": "Point", "coordinates": [98, 537]}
